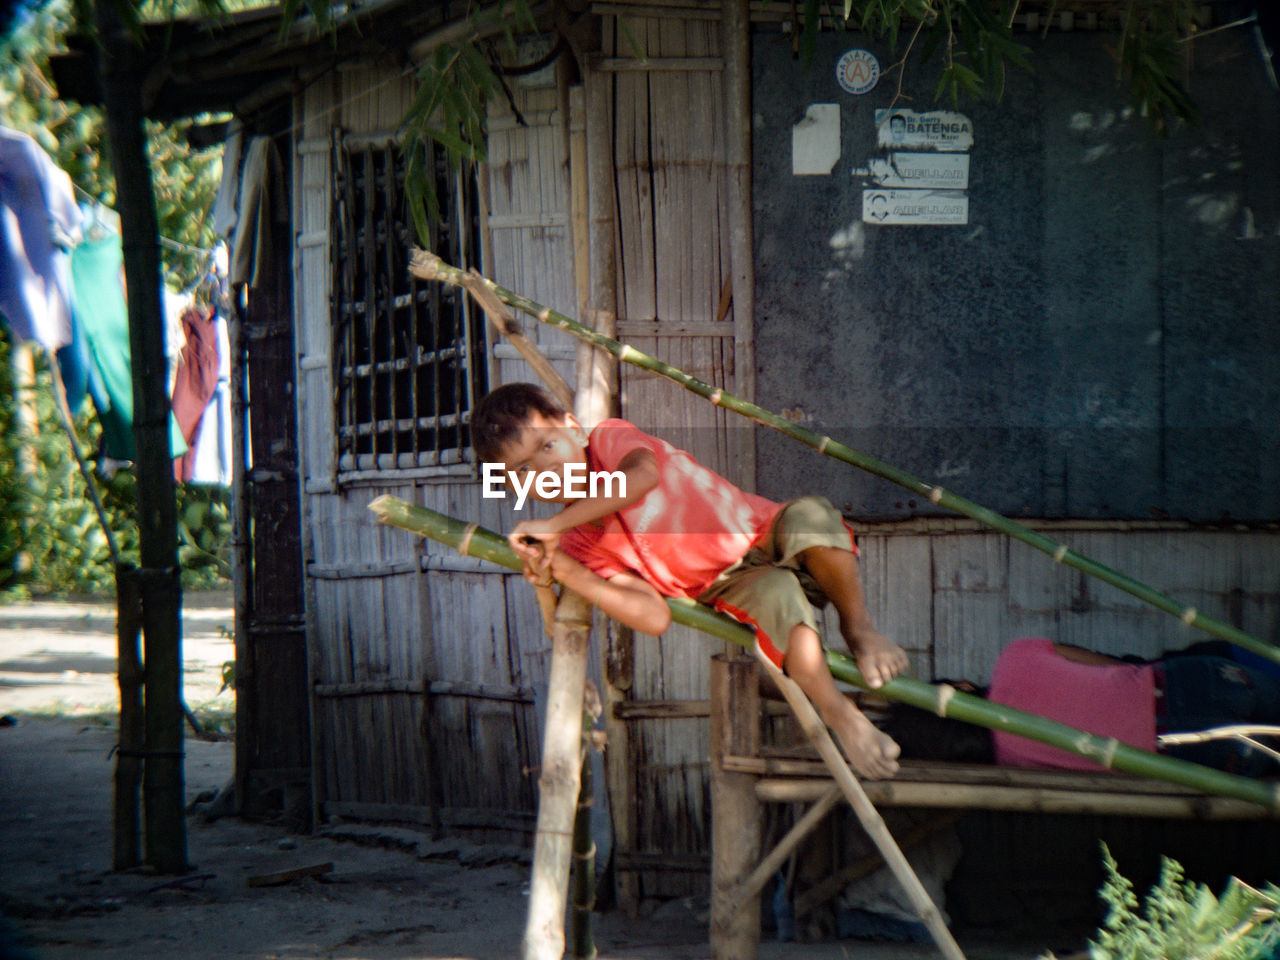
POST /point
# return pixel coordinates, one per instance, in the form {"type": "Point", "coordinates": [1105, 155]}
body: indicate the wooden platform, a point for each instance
{"type": "Point", "coordinates": [786, 775]}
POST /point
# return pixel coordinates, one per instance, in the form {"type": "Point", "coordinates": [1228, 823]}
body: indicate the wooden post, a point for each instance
{"type": "Point", "coordinates": [581, 943]}
{"type": "Point", "coordinates": [559, 782]}
{"type": "Point", "coordinates": [736, 45]}
{"type": "Point", "coordinates": [242, 557]}
{"type": "Point", "coordinates": [592, 195]}
{"type": "Point", "coordinates": [123, 78]}
{"type": "Point", "coordinates": [735, 811]}
{"type": "Point", "coordinates": [598, 381]}
{"type": "Point", "coordinates": [126, 837]}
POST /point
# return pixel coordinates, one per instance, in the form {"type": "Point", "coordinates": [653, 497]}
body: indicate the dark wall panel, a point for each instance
{"type": "Point", "coordinates": [1098, 341]}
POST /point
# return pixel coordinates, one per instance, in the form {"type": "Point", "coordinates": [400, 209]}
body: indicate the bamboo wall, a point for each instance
{"type": "Point", "coordinates": [424, 685]}
{"type": "Point", "coordinates": [674, 264]}
{"type": "Point", "coordinates": [954, 599]}
{"type": "Point", "coordinates": [423, 664]}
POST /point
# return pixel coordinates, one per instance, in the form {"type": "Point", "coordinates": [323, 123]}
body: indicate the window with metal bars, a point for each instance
{"type": "Point", "coordinates": [408, 360]}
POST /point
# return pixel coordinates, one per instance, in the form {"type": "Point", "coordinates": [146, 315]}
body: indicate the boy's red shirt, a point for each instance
{"type": "Point", "coordinates": [684, 532]}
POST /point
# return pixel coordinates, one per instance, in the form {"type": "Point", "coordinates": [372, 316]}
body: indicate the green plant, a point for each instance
{"type": "Point", "coordinates": [1182, 919]}
{"type": "Point", "coordinates": [228, 676]}
{"type": "Point", "coordinates": [51, 540]}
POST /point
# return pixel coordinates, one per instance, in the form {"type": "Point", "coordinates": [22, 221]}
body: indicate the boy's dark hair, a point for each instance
{"type": "Point", "coordinates": [502, 413]}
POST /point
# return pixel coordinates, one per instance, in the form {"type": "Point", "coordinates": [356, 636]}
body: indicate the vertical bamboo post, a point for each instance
{"type": "Point", "coordinates": [735, 811]}
{"type": "Point", "coordinates": [867, 814]}
{"type": "Point", "coordinates": [582, 944]}
{"type": "Point", "coordinates": [594, 199]}
{"type": "Point", "coordinates": [579, 223]}
{"type": "Point", "coordinates": [124, 75]}
{"type": "Point", "coordinates": [598, 386]}
{"type": "Point", "coordinates": [126, 838]}
{"type": "Point", "coordinates": [736, 46]}
{"type": "Point", "coordinates": [559, 781]}
{"type": "Point", "coordinates": [242, 557]}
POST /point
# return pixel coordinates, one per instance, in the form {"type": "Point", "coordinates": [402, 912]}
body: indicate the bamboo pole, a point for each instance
{"type": "Point", "coordinates": [772, 863]}
{"type": "Point", "coordinates": [598, 379]}
{"type": "Point", "coordinates": [868, 816]}
{"type": "Point", "coordinates": [735, 810]}
{"type": "Point", "coordinates": [428, 266]}
{"type": "Point", "coordinates": [504, 322]}
{"type": "Point", "coordinates": [943, 699]}
{"type": "Point", "coordinates": [735, 41]}
{"type": "Point", "coordinates": [559, 782]}
{"type": "Point", "coordinates": [245, 682]}
{"type": "Point", "coordinates": [829, 887]}
{"type": "Point", "coordinates": [126, 837]}
{"type": "Point", "coordinates": [583, 880]}
{"type": "Point", "coordinates": [1064, 799]}
{"type": "Point", "coordinates": [124, 77]}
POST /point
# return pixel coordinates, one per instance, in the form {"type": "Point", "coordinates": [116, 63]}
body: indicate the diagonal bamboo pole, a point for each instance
{"type": "Point", "coordinates": [868, 816]}
{"type": "Point", "coordinates": [475, 541]}
{"type": "Point", "coordinates": [428, 266]}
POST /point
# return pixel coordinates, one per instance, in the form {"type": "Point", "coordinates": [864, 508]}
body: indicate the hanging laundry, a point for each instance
{"type": "Point", "coordinates": [39, 220]}
{"type": "Point", "coordinates": [223, 217]}
{"type": "Point", "coordinates": [75, 364]}
{"type": "Point", "coordinates": [98, 289]}
{"type": "Point", "coordinates": [262, 214]}
{"type": "Point", "coordinates": [213, 445]}
{"type": "Point", "coordinates": [173, 306]}
{"type": "Point", "coordinates": [195, 382]}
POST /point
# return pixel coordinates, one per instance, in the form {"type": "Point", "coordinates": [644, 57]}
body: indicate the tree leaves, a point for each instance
{"type": "Point", "coordinates": [976, 41]}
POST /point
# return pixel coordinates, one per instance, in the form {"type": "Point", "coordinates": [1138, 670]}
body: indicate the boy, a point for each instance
{"type": "Point", "coordinates": [675, 528]}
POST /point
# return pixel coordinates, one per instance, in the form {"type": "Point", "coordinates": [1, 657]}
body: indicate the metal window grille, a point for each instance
{"type": "Point", "coordinates": [408, 361]}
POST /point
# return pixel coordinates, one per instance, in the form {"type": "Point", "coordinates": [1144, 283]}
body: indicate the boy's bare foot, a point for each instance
{"type": "Point", "coordinates": [873, 753]}
{"type": "Point", "coordinates": [879, 658]}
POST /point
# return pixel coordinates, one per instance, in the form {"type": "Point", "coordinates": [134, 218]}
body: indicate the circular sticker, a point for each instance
{"type": "Point", "coordinates": [857, 71]}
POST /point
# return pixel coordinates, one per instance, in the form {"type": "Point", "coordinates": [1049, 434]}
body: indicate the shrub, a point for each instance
{"type": "Point", "coordinates": [1183, 919]}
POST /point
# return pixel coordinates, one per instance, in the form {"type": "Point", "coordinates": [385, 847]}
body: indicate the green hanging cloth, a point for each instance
{"type": "Point", "coordinates": [99, 304]}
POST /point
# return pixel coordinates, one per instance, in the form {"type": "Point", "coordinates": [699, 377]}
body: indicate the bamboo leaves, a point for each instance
{"type": "Point", "coordinates": [448, 111]}
{"type": "Point", "coordinates": [1152, 54]}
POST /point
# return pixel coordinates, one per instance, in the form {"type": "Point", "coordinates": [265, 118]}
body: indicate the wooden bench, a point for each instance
{"type": "Point", "coordinates": [786, 775]}
{"type": "Point", "coordinates": [745, 775]}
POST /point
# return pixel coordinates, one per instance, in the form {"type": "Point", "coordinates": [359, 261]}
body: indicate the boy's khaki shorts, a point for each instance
{"type": "Point", "coordinates": [768, 588]}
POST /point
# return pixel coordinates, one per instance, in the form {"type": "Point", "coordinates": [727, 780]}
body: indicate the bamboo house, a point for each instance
{"type": "Point", "coordinates": [1082, 336]}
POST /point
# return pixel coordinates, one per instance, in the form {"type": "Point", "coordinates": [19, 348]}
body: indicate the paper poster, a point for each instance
{"type": "Point", "coordinates": [934, 130]}
{"type": "Point", "coordinates": [938, 171]}
{"type": "Point", "coordinates": [815, 140]}
{"type": "Point", "coordinates": [915, 207]}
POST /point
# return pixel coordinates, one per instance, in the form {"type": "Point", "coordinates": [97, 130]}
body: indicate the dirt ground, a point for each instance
{"type": "Point", "coordinates": [390, 895]}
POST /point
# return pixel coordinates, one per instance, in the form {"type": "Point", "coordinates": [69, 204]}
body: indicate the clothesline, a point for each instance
{"type": "Point", "coordinates": [166, 241]}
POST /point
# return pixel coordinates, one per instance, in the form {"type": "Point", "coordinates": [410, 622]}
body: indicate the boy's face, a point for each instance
{"type": "Point", "coordinates": [546, 445]}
